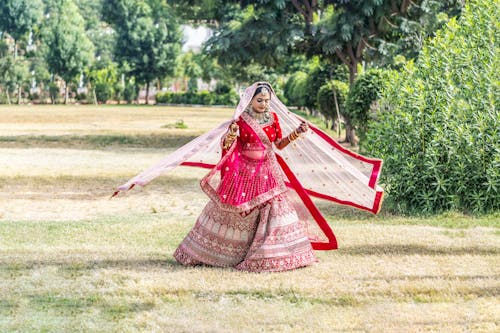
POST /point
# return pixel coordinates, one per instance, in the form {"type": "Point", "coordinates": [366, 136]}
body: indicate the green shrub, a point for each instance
{"type": "Point", "coordinates": [82, 97]}
{"type": "Point", "coordinates": [54, 92]}
{"type": "Point", "coordinates": [295, 89]}
{"type": "Point", "coordinates": [438, 129]}
{"type": "Point", "coordinates": [231, 98]}
{"type": "Point", "coordinates": [130, 92]}
{"type": "Point", "coordinates": [319, 76]}
{"type": "Point", "coordinates": [326, 99]}
{"type": "Point", "coordinates": [201, 98]}
{"type": "Point", "coordinates": [103, 91]}
{"type": "Point", "coordinates": [222, 88]}
{"type": "Point", "coordinates": [363, 96]}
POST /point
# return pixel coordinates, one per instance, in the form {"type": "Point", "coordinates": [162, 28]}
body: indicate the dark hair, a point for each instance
{"type": "Point", "coordinates": [259, 89]}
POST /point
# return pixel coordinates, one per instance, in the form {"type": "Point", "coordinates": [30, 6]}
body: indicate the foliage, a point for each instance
{"type": "Point", "coordinates": [53, 92]}
{"type": "Point", "coordinates": [362, 97]}
{"type": "Point", "coordinates": [295, 89]}
{"type": "Point", "coordinates": [255, 34]}
{"type": "Point", "coordinates": [99, 32]}
{"type": "Point", "coordinates": [320, 74]}
{"type": "Point", "coordinates": [18, 17]}
{"type": "Point", "coordinates": [350, 27]}
{"type": "Point", "coordinates": [331, 95]}
{"type": "Point", "coordinates": [104, 81]}
{"type": "Point", "coordinates": [198, 98]}
{"type": "Point", "coordinates": [438, 129]}
{"type": "Point", "coordinates": [130, 91]}
{"type": "Point", "coordinates": [13, 72]}
{"type": "Point", "coordinates": [148, 37]}
{"type": "Point", "coordinates": [67, 48]}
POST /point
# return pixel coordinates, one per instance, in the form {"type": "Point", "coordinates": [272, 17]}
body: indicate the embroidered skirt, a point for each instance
{"type": "Point", "coordinates": [269, 238]}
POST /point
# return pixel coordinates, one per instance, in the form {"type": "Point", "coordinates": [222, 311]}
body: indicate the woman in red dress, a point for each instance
{"type": "Point", "coordinates": [249, 223]}
{"type": "Point", "coordinates": [261, 216]}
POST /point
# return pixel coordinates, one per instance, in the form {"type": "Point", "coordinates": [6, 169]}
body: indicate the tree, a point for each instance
{"type": "Point", "coordinates": [349, 27]}
{"type": "Point", "coordinates": [14, 73]}
{"type": "Point", "coordinates": [331, 100]}
{"type": "Point", "coordinates": [148, 38]}
{"type": "Point", "coordinates": [363, 96]}
{"type": "Point", "coordinates": [256, 34]}
{"type": "Point", "coordinates": [68, 50]}
{"type": "Point", "coordinates": [438, 126]}
{"type": "Point", "coordinates": [99, 32]}
{"type": "Point", "coordinates": [18, 17]}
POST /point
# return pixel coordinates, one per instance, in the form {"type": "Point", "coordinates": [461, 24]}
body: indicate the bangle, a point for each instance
{"type": "Point", "coordinates": [228, 140]}
{"type": "Point", "coordinates": [293, 136]}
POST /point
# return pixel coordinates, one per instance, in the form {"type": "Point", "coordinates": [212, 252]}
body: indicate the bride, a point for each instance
{"type": "Point", "coordinates": [260, 216]}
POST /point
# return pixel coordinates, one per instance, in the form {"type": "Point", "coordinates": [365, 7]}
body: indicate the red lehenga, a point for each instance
{"type": "Point", "coordinates": [261, 216]}
{"type": "Point", "coordinates": [249, 223]}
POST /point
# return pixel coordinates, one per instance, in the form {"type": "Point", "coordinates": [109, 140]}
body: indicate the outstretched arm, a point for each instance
{"type": "Point", "coordinates": [280, 144]}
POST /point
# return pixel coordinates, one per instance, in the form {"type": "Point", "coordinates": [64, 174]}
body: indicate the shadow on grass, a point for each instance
{"type": "Point", "coordinates": [95, 141]}
{"type": "Point", "coordinates": [413, 249]}
{"type": "Point", "coordinates": [86, 187]}
{"type": "Point", "coordinates": [79, 266]}
{"type": "Point", "coordinates": [429, 277]}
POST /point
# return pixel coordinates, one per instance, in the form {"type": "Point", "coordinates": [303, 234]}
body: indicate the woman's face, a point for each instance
{"type": "Point", "coordinates": [260, 102]}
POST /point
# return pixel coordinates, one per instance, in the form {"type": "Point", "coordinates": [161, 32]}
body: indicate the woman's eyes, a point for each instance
{"type": "Point", "coordinates": [261, 100]}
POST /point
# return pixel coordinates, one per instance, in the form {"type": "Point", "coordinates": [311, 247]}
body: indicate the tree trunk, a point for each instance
{"type": "Point", "coordinates": [147, 92]}
{"type": "Point", "coordinates": [94, 96]}
{"type": "Point", "coordinates": [8, 96]}
{"type": "Point", "coordinates": [65, 93]}
{"type": "Point", "coordinates": [350, 135]}
{"type": "Point", "coordinates": [19, 95]}
{"type": "Point", "coordinates": [353, 71]}
{"type": "Point", "coordinates": [334, 126]}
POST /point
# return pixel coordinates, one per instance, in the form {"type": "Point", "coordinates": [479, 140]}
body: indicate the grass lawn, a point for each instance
{"type": "Point", "coordinates": [73, 260]}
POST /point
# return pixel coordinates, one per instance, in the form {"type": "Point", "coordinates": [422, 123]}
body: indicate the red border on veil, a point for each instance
{"type": "Point", "coordinates": [377, 164]}
{"type": "Point", "coordinates": [311, 207]}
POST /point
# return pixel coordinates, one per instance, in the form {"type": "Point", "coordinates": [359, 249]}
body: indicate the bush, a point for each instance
{"type": "Point", "coordinates": [295, 89]}
{"type": "Point", "coordinates": [54, 92]}
{"type": "Point", "coordinates": [326, 99]}
{"type": "Point", "coordinates": [130, 92]}
{"type": "Point", "coordinates": [362, 97]}
{"type": "Point", "coordinates": [202, 98]}
{"type": "Point", "coordinates": [318, 77]}
{"type": "Point", "coordinates": [104, 92]}
{"type": "Point", "coordinates": [222, 88]}
{"type": "Point", "coordinates": [82, 97]}
{"type": "Point", "coordinates": [438, 129]}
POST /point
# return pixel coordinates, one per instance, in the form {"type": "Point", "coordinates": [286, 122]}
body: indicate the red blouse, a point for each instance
{"type": "Point", "coordinates": [272, 129]}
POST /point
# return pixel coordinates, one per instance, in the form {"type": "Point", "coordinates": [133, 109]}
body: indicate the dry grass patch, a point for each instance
{"type": "Point", "coordinates": [55, 120]}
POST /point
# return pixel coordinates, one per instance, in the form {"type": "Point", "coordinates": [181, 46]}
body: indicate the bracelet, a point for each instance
{"type": "Point", "coordinates": [228, 140]}
{"type": "Point", "coordinates": [293, 136]}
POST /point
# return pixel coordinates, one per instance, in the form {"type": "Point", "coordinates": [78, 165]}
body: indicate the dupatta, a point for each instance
{"type": "Point", "coordinates": [314, 165]}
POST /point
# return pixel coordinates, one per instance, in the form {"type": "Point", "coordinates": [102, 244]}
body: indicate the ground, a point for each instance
{"type": "Point", "coordinates": [74, 260]}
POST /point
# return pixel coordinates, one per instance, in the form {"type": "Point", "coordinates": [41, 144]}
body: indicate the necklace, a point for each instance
{"type": "Point", "coordinates": [261, 117]}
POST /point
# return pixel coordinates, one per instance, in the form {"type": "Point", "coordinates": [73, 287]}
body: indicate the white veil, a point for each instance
{"type": "Point", "coordinates": [314, 164]}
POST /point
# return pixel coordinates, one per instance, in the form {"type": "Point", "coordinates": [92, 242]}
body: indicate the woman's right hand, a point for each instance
{"type": "Point", "coordinates": [233, 128]}
{"type": "Point", "coordinates": [230, 135]}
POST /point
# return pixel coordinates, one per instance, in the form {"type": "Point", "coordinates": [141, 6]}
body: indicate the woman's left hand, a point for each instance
{"type": "Point", "coordinates": [303, 127]}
